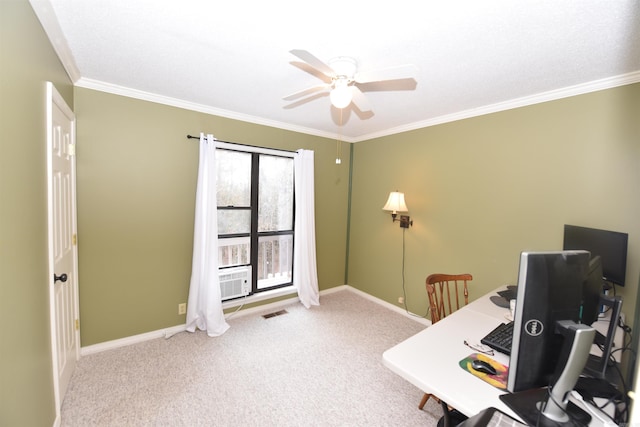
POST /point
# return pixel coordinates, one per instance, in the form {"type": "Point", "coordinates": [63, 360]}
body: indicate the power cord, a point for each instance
{"type": "Point", "coordinates": [168, 335]}
{"type": "Point", "coordinates": [603, 417]}
{"type": "Point", "coordinates": [624, 327]}
{"type": "Point", "coordinates": [404, 290]}
{"type": "Point", "coordinates": [233, 313]}
{"type": "Point", "coordinates": [623, 414]}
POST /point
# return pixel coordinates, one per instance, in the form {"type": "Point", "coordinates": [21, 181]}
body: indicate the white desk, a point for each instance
{"type": "Point", "coordinates": [429, 360]}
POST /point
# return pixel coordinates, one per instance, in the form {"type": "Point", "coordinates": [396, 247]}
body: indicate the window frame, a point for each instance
{"type": "Point", "coordinates": [255, 235]}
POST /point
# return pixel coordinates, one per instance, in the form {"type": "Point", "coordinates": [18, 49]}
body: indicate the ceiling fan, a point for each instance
{"type": "Point", "coordinates": [342, 78]}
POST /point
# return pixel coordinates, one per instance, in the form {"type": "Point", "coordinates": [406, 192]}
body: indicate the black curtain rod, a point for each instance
{"type": "Point", "coordinates": [237, 143]}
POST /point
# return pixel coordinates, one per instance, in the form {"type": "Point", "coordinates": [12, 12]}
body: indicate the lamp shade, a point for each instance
{"type": "Point", "coordinates": [395, 203]}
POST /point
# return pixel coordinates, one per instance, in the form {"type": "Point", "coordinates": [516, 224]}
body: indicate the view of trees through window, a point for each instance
{"type": "Point", "coordinates": [255, 215]}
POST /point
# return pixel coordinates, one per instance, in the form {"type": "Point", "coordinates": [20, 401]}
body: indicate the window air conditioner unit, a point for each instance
{"type": "Point", "coordinates": [235, 282]}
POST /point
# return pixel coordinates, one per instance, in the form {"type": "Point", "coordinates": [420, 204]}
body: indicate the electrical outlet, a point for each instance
{"type": "Point", "coordinates": [400, 300]}
{"type": "Point", "coordinates": [182, 308]}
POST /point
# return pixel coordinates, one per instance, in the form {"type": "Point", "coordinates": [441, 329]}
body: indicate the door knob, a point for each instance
{"type": "Point", "coordinates": [62, 278]}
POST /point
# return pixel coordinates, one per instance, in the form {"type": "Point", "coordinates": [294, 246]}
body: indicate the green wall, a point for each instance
{"type": "Point", "coordinates": [484, 189]}
{"type": "Point", "coordinates": [27, 62]}
{"type": "Point", "coordinates": [136, 195]}
{"type": "Point", "coordinates": [480, 191]}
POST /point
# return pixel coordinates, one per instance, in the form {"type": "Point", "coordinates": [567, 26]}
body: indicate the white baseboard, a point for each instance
{"type": "Point", "coordinates": [392, 307]}
{"type": "Point", "coordinates": [168, 332]}
{"type": "Point", "coordinates": [134, 339]}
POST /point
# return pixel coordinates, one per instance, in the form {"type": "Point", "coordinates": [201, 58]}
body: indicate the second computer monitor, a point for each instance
{"type": "Point", "coordinates": [592, 291]}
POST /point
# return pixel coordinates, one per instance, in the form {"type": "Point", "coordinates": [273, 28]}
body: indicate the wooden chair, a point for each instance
{"type": "Point", "coordinates": [447, 292]}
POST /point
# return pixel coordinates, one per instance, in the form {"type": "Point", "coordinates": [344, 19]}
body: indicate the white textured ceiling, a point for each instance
{"type": "Point", "coordinates": [232, 58]}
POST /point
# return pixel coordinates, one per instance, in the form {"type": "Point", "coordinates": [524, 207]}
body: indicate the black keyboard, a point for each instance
{"type": "Point", "coordinates": [500, 338]}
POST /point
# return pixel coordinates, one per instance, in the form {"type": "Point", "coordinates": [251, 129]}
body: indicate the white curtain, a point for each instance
{"type": "Point", "coordinates": [305, 273]}
{"type": "Point", "coordinates": [204, 308]}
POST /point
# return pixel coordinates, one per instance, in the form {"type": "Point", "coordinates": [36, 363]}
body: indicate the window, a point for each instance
{"type": "Point", "coordinates": [255, 216]}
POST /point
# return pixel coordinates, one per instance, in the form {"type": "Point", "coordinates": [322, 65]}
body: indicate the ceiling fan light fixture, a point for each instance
{"type": "Point", "coordinates": [344, 66]}
{"type": "Point", "coordinates": [341, 77]}
{"type": "Point", "coordinates": [341, 94]}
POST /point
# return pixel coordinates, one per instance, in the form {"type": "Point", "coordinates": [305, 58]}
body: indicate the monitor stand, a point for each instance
{"type": "Point", "coordinates": [527, 405]}
{"type": "Point", "coordinates": [597, 365]}
{"type": "Point", "coordinates": [551, 406]}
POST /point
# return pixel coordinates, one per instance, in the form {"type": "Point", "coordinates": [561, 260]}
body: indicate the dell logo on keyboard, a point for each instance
{"type": "Point", "coordinates": [534, 327]}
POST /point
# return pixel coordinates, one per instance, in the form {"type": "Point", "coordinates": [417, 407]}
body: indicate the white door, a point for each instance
{"type": "Point", "coordinates": [62, 241]}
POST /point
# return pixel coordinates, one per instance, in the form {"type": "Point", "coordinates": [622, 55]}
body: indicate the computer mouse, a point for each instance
{"type": "Point", "coordinates": [482, 366]}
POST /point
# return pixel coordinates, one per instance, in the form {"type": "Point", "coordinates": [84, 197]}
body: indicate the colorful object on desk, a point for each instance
{"type": "Point", "coordinates": [499, 380]}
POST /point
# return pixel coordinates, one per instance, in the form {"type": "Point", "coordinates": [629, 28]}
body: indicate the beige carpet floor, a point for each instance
{"type": "Point", "coordinates": [309, 367]}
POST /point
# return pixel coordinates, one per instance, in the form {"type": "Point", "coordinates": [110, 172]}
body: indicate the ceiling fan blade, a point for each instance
{"type": "Point", "coordinates": [313, 61]}
{"type": "Point", "coordinates": [407, 71]}
{"type": "Point", "coordinates": [360, 100]}
{"type": "Point", "coordinates": [307, 91]}
{"type": "Point", "coordinates": [312, 71]}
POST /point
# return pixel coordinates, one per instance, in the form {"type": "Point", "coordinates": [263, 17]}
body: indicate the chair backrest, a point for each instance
{"type": "Point", "coordinates": [444, 293]}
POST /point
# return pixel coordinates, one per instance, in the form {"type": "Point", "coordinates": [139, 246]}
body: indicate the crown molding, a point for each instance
{"type": "Point", "coordinates": [49, 22]}
{"type": "Point", "coordinates": [553, 95]}
{"type": "Point", "coordinates": [581, 89]}
{"type": "Point", "coordinates": [175, 102]}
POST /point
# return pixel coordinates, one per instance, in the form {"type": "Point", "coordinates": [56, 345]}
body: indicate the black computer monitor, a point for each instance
{"type": "Point", "coordinates": [546, 329]}
{"type": "Point", "coordinates": [592, 291]}
{"type": "Point", "coordinates": [550, 286]}
{"type": "Point", "coordinates": [611, 246]}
